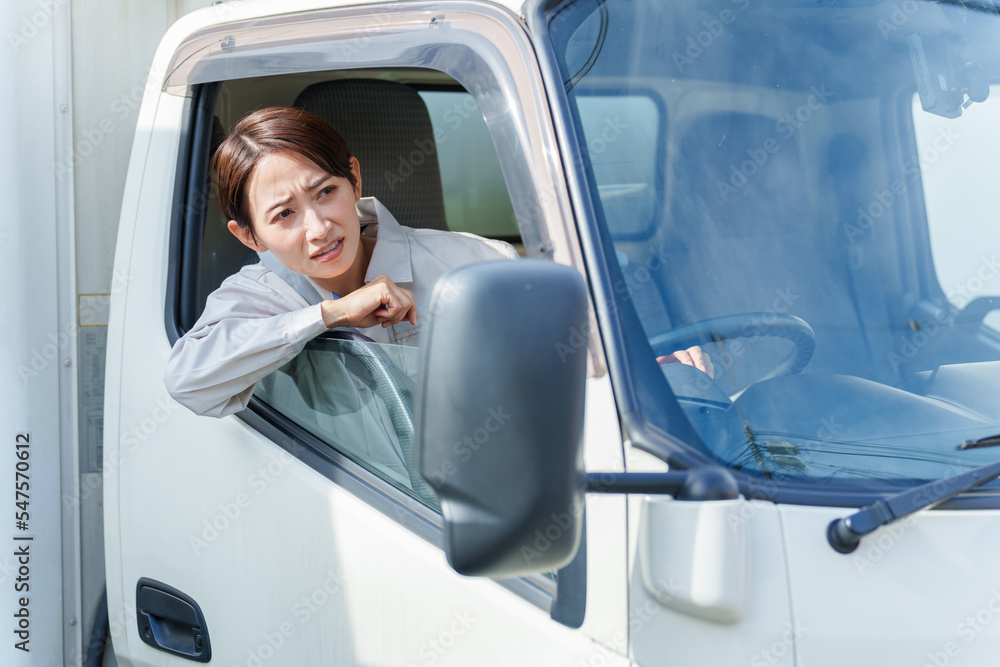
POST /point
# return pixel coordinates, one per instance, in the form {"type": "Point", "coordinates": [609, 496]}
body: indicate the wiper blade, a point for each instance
{"type": "Point", "coordinates": [989, 6]}
{"type": "Point", "coordinates": [989, 441]}
{"type": "Point", "coordinates": [845, 534]}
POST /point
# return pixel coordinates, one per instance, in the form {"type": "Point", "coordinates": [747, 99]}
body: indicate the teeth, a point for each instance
{"type": "Point", "coordinates": [330, 249]}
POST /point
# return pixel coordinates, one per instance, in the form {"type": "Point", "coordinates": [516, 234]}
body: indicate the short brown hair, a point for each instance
{"type": "Point", "coordinates": [264, 133]}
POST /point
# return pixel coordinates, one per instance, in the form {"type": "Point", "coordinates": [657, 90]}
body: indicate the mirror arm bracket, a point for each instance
{"type": "Point", "coordinates": [703, 483]}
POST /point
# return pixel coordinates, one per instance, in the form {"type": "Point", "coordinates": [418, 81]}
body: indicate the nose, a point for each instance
{"type": "Point", "coordinates": [316, 225]}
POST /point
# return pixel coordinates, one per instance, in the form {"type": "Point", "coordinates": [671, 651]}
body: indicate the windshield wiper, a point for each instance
{"type": "Point", "coordinates": [845, 534]}
{"type": "Point", "coordinates": [989, 6]}
{"type": "Point", "coordinates": [989, 441]}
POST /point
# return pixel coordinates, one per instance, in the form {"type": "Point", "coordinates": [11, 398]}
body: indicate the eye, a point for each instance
{"type": "Point", "coordinates": [283, 214]}
{"type": "Point", "coordinates": [327, 190]}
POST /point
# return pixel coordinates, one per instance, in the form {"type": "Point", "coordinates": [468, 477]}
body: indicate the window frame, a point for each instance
{"type": "Point", "coordinates": [530, 173]}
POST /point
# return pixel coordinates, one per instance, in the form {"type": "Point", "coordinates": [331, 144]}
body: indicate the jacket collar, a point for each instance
{"type": "Point", "coordinates": [391, 255]}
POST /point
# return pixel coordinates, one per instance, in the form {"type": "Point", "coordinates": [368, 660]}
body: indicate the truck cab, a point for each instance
{"type": "Point", "coordinates": [802, 189]}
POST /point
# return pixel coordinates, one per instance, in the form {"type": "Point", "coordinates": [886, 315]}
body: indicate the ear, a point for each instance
{"type": "Point", "coordinates": [356, 170]}
{"type": "Point", "coordinates": [245, 237]}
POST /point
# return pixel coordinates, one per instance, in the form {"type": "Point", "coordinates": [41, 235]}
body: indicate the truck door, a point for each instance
{"type": "Point", "coordinates": [270, 538]}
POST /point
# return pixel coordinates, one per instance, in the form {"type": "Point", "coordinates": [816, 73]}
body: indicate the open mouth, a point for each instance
{"type": "Point", "coordinates": [328, 251]}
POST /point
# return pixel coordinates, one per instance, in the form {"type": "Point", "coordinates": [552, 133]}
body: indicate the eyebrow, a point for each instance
{"type": "Point", "coordinates": [312, 186]}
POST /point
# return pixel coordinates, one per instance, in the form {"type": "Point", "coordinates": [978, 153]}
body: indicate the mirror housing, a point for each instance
{"type": "Point", "coordinates": [499, 414]}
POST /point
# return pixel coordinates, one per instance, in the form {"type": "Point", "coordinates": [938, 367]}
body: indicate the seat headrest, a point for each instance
{"type": "Point", "coordinates": [387, 126]}
{"type": "Point", "coordinates": [739, 170]}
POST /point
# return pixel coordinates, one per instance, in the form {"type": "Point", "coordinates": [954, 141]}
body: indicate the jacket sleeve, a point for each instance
{"type": "Point", "coordinates": [247, 331]}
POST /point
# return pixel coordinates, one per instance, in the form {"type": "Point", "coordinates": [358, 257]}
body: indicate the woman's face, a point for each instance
{"type": "Point", "coordinates": [303, 215]}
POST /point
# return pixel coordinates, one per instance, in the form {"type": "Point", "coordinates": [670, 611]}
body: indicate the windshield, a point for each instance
{"type": "Point", "coordinates": [806, 190]}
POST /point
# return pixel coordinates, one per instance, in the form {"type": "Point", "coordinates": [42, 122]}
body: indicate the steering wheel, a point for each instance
{"type": "Point", "coordinates": [771, 325]}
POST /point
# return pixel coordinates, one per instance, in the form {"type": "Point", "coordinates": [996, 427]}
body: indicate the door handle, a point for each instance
{"type": "Point", "coordinates": [171, 621]}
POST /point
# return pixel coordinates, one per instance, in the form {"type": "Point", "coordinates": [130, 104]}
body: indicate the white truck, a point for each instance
{"type": "Point", "coordinates": [804, 189]}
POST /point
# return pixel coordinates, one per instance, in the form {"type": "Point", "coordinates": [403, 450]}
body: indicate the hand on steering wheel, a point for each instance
{"type": "Point", "coordinates": [693, 356]}
{"type": "Point", "coordinates": [744, 325]}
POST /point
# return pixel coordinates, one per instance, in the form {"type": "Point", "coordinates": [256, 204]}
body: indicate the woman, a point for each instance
{"type": "Point", "coordinates": [291, 190]}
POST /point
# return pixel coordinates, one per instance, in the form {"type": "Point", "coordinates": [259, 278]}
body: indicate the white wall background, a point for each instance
{"type": "Point", "coordinates": [73, 72]}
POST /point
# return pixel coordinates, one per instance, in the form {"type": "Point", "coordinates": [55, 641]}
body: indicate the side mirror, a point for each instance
{"type": "Point", "coordinates": [499, 414]}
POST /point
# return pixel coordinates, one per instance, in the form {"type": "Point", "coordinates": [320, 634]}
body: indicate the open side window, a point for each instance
{"type": "Point", "coordinates": [426, 154]}
{"type": "Point", "coordinates": [437, 168]}
{"type": "Point", "coordinates": [344, 406]}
